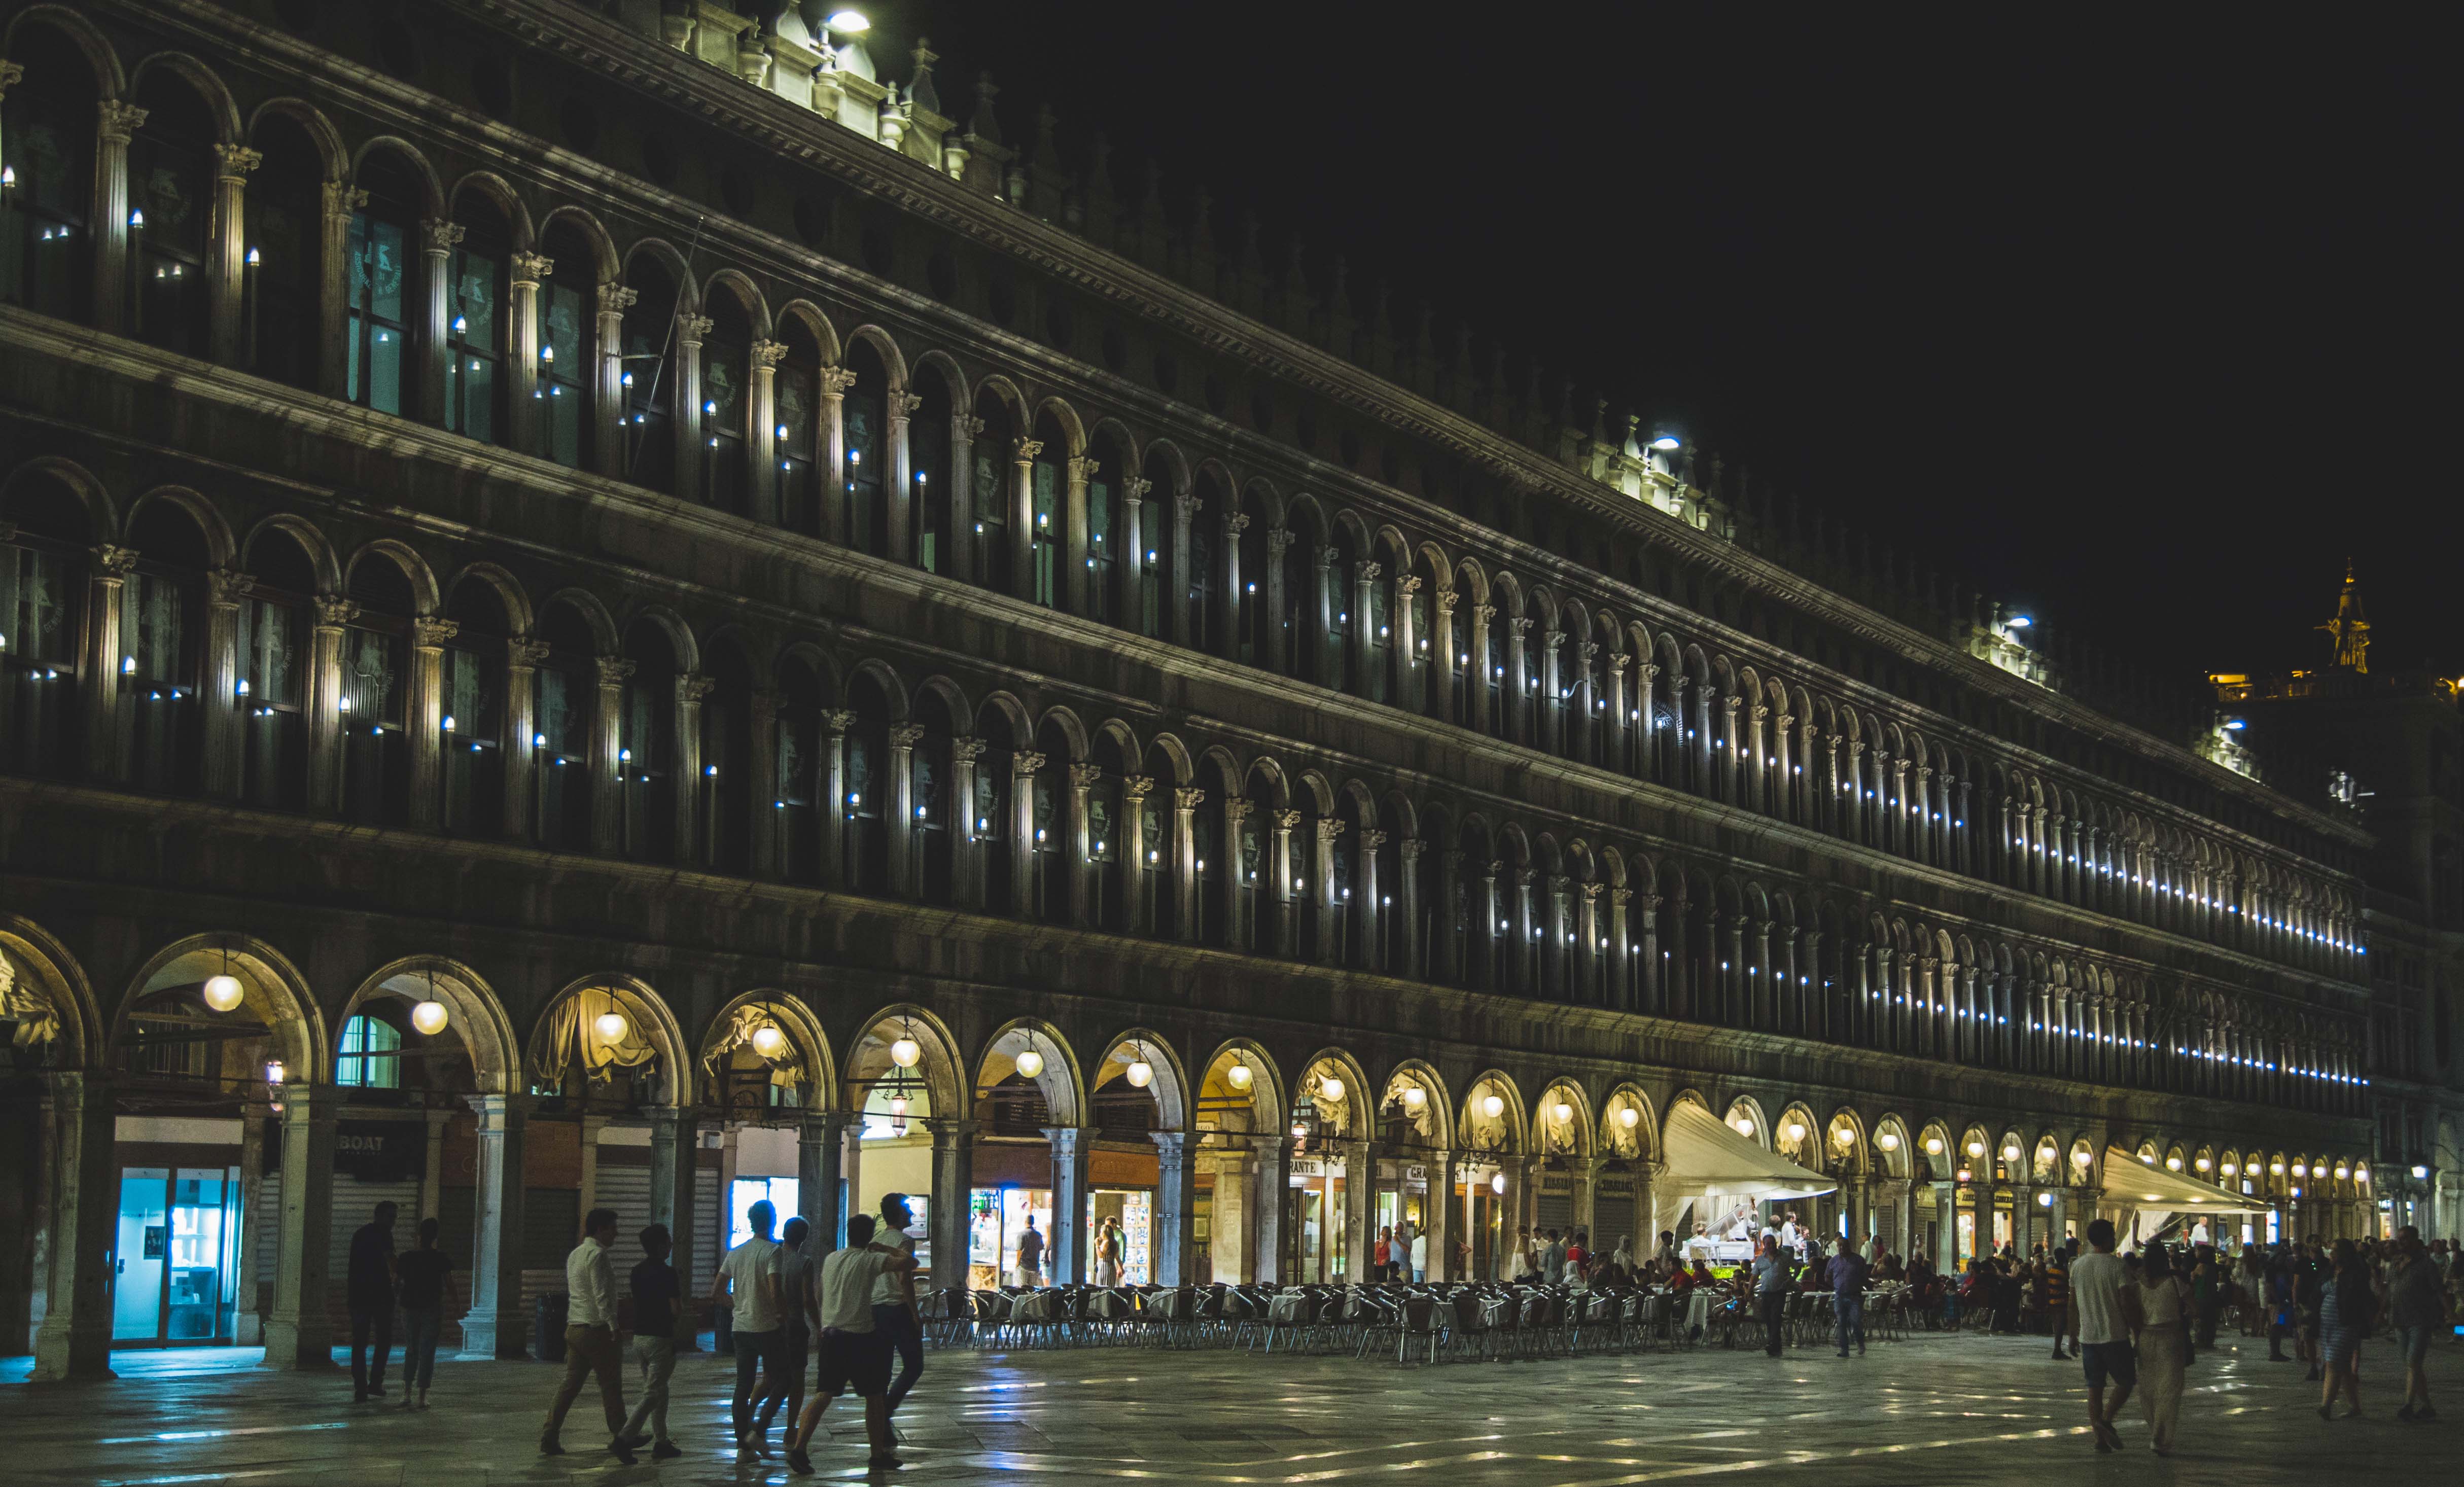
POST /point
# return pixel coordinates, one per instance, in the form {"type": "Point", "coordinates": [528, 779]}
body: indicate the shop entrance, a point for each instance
{"type": "Point", "coordinates": [176, 1262]}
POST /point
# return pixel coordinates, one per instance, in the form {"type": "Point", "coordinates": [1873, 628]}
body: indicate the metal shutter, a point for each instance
{"type": "Point", "coordinates": [1611, 1220]}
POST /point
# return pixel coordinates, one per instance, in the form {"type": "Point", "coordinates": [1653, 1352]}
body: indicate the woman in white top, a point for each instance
{"type": "Point", "coordinates": [2164, 1344]}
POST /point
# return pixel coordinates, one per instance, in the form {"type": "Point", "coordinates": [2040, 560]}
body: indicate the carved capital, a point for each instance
{"type": "Point", "coordinates": [692, 329]}
{"type": "Point", "coordinates": [907, 735]}
{"type": "Point", "coordinates": [1371, 840]}
{"type": "Point", "coordinates": [1551, 640]}
{"type": "Point", "coordinates": [1279, 540]}
{"type": "Point", "coordinates": [342, 199]}
{"type": "Point", "coordinates": [1367, 573]}
{"type": "Point", "coordinates": [227, 586]}
{"type": "Point", "coordinates": [1135, 488]}
{"type": "Point", "coordinates": [1083, 470]}
{"type": "Point", "coordinates": [1026, 449]}
{"type": "Point", "coordinates": [440, 236]}
{"type": "Point", "coordinates": [1026, 764]}
{"type": "Point", "coordinates": [1648, 903]}
{"type": "Point", "coordinates": [1592, 893]}
{"type": "Point", "coordinates": [121, 121]}
{"type": "Point", "coordinates": [1619, 898]}
{"type": "Point", "coordinates": [966, 428]}
{"type": "Point", "coordinates": [903, 404]}
{"type": "Point", "coordinates": [1236, 810]}
{"type": "Point", "coordinates": [1187, 503]}
{"type": "Point", "coordinates": [616, 298]}
{"type": "Point", "coordinates": [233, 161]}
{"type": "Point", "coordinates": [1329, 828]}
{"type": "Point", "coordinates": [1618, 662]}
{"type": "Point", "coordinates": [1518, 627]}
{"type": "Point", "coordinates": [1324, 556]}
{"type": "Point", "coordinates": [529, 269]}
{"type": "Point", "coordinates": [613, 671]}
{"type": "Point", "coordinates": [113, 562]}
{"type": "Point", "coordinates": [1407, 585]}
{"type": "Point", "coordinates": [428, 634]}
{"type": "Point", "coordinates": [333, 611]}
{"type": "Point", "coordinates": [1187, 797]}
{"type": "Point", "coordinates": [10, 75]}
{"type": "Point", "coordinates": [1085, 776]}
{"type": "Point", "coordinates": [524, 651]}
{"type": "Point", "coordinates": [1285, 820]}
{"type": "Point", "coordinates": [967, 751]}
{"type": "Point", "coordinates": [768, 354]}
{"type": "Point", "coordinates": [835, 381]}
{"type": "Point", "coordinates": [1483, 614]}
{"type": "Point", "coordinates": [693, 687]}
{"type": "Point", "coordinates": [1236, 524]}
{"type": "Point", "coordinates": [1442, 603]}
{"type": "Point", "coordinates": [838, 720]}
{"type": "Point", "coordinates": [1135, 788]}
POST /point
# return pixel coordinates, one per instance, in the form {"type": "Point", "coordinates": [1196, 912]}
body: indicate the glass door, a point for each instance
{"type": "Point", "coordinates": [143, 1250]}
{"type": "Point", "coordinates": [204, 1255]}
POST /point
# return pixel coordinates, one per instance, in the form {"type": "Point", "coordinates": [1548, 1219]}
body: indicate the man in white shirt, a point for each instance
{"type": "Point", "coordinates": [591, 1346]}
{"type": "Point", "coordinates": [853, 1353]}
{"type": "Point", "coordinates": [752, 1272]}
{"type": "Point", "coordinates": [894, 1300]}
{"type": "Point", "coordinates": [2105, 1312]}
{"type": "Point", "coordinates": [1419, 1258]}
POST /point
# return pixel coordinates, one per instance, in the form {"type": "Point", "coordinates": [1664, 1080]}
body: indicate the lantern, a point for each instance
{"type": "Point", "coordinates": [1331, 1088]}
{"type": "Point", "coordinates": [1415, 1097]}
{"type": "Point", "coordinates": [1030, 1064]}
{"type": "Point", "coordinates": [768, 1042]}
{"type": "Point", "coordinates": [1493, 1106]}
{"type": "Point", "coordinates": [1141, 1073]}
{"type": "Point", "coordinates": [429, 1018]}
{"type": "Point", "coordinates": [1629, 1117]}
{"type": "Point", "coordinates": [223, 992]}
{"type": "Point", "coordinates": [1238, 1075]}
{"type": "Point", "coordinates": [611, 1025]}
{"type": "Point", "coordinates": [906, 1053]}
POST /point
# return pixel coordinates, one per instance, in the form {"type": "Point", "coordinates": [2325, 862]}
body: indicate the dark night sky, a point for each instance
{"type": "Point", "coordinates": [2147, 329]}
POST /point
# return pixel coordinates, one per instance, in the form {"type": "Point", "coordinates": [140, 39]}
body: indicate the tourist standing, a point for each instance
{"type": "Point", "coordinates": [2207, 1292]}
{"type": "Point", "coordinates": [1770, 1292]}
{"type": "Point", "coordinates": [2106, 1312]}
{"type": "Point", "coordinates": [656, 1294]}
{"type": "Point", "coordinates": [1030, 1256]}
{"type": "Point", "coordinates": [1108, 1252]}
{"type": "Point", "coordinates": [1404, 1233]}
{"type": "Point", "coordinates": [2417, 1294]}
{"type": "Point", "coordinates": [748, 1283]}
{"type": "Point", "coordinates": [1518, 1264]}
{"type": "Point", "coordinates": [2057, 1297]}
{"type": "Point", "coordinates": [590, 1338]}
{"type": "Point", "coordinates": [422, 1274]}
{"type": "Point", "coordinates": [798, 1257]}
{"type": "Point", "coordinates": [1848, 1274]}
{"type": "Point", "coordinates": [893, 1300]}
{"type": "Point", "coordinates": [1381, 1254]}
{"type": "Point", "coordinates": [2348, 1308]}
{"type": "Point", "coordinates": [1552, 1258]}
{"type": "Point", "coordinates": [1419, 1258]}
{"type": "Point", "coordinates": [853, 1353]}
{"type": "Point", "coordinates": [2163, 1343]}
{"type": "Point", "coordinates": [368, 1287]}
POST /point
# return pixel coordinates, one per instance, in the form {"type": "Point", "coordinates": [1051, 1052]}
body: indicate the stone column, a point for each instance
{"type": "Point", "coordinates": [1590, 954]}
{"type": "Point", "coordinates": [1021, 516]}
{"type": "Point", "coordinates": [761, 440]}
{"type": "Point", "coordinates": [1439, 679]}
{"type": "Point", "coordinates": [820, 1163]}
{"type": "Point", "coordinates": [1328, 948]}
{"type": "Point", "coordinates": [611, 442]}
{"type": "Point", "coordinates": [762, 792]}
{"type": "Point", "coordinates": [437, 240]}
{"type": "Point", "coordinates": [223, 765]}
{"type": "Point", "coordinates": [1438, 1216]}
{"type": "Point", "coordinates": [495, 1324]}
{"type": "Point", "coordinates": [1176, 1247]}
{"type": "Point", "coordinates": [1359, 1208]}
{"type": "Point", "coordinates": [1410, 666]}
{"type": "Point", "coordinates": [1367, 916]}
{"type": "Point", "coordinates": [1075, 545]}
{"type": "Point", "coordinates": [1075, 842]}
{"type": "Point", "coordinates": [1137, 873]}
{"type": "Point", "coordinates": [523, 351]}
{"type": "Point", "coordinates": [74, 1339]}
{"type": "Point", "coordinates": [1407, 904]}
{"type": "Point", "coordinates": [1518, 721]}
{"type": "Point", "coordinates": [118, 124]}
{"type": "Point", "coordinates": [1232, 601]}
{"type": "Point", "coordinates": [1319, 603]}
{"type": "Point", "coordinates": [1239, 905]}
{"type": "Point", "coordinates": [227, 251]}
{"type": "Point", "coordinates": [326, 704]}
{"type": "Point", "coordinates": [1287, 907]}
{"type": "Point", "coordinates": [906, 863]}
{"type": "Point", "coordinates": [106, 741]}
{"type": "Point", "coordinates": [675, 1147]}
{"type": "Point", "coordinates": [1476, 675]}
{"type": "Point", "coordinates": [1023, 768]}
{"type": "Point", "coordinates": [835, 724]}
{"type": "Point", "coordinates": [1617, 741]}
{"type": "Point", "coordinates": [1364, 643]}
{"type": "Point", "coordinates": [901, 475]}
{"type": "Point", "coordinates": [1554, 736]}
{"type": "Point", "coordinates": [691, 847]}
{"type": "Point", "coordinates": [1136, 570]}
{"type": "Point", "coordinates": [522, 657]}
{"type": "Point", "coordinates": [1274, 1179]}
{"type": "Point", "coordinates": [954, 1169]}
{"type": "Point", "coordinates": [1277, 654]}
{"type": "Point", "coordinates": [834, 382]}
{"type": "Point", "coordinates": [426, 715]}
{"type": "Point", "coordinates": [342, 202]}
{"type": "Point", "coordinates": [964, 563]}
{"type": "Point", "coordinates": [1177, 625]}
{"type": "Point", "coordinates": [1649, 989]}
{"type": "Point", "coordinates": [966, 849]}
{"type": "Point", "coordinates": [693, 445]}
{"type": "Point", "coordinates": [298, 1335]}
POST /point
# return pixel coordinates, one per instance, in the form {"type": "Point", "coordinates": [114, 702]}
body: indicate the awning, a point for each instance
{"type": "Point", "coordinates": [2132, 1183]}
{"type": "Point", "coordinates": [1706, 1155]}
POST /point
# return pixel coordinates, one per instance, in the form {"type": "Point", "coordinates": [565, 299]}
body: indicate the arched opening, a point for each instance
{"type": "Point", "coordinates": [273, 622]}
{"type": "Point", "coordinates": [1110, 593]}
{"type": "Point", "coordinates": [284, 264]}
{"type": "Point", "coordinates": [375, 694]}
{"type": "Point", "coordinates": [472, 672]}
{"type": "Point", "coordinates": [1110, 857]}
{"type": "Point", "coordinates": [727, 784]}
{"type": "Point", "coordinates": [938, 814]}
{"type": "Point", "coordinates": [477, 332]}
{"type": "Point", "coordinates": [866, 416]}
{"type": "Point", "coordinates": [869, 788]}
{"type": "Point", "coordinates": [47, 127]}
{"type": "Point", "coordinates": [380, 286]}
{"type": "Point", "coordinates": [1054, 824]}
{"type": "Point", "coordinates": [162, 661]}
{"type": "Point", "coordinates": [795, 401]}
{"type": "Point", "coordinates": [1025, 1086]}
{"type": "Point", "coordinates": [564, 706]}
{"type": "Point", "coordinates": [1046, 514]}
{"type": "Point", "coordinates": [1159, 519]}
{"type": "Point", "coordinates": [995, 494]}
{"type": "Point", "coordinates": [726, 372]}
{"type": "Point", "coordinates": [928, 458]}
{"type": "Point", "coordinates": [171, 216]}
{"type": "Point", "coordinates": [645, 745]}
{"type": "Point", "coordinates": [648, 379]}
{"type": "Point", "coordinates": [995, 810]}
{"type": "Point", "coordinates": [1136, 1094]}
{"type": "Point", "coordinates": [568, 326]}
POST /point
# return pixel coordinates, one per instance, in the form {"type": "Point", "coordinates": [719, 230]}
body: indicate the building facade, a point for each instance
{"type": "Point", "coordinates": [605, 606]}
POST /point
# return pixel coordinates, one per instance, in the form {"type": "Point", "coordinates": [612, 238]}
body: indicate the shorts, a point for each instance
{"type": "Point", "coordinates": [2341, 1347]}
{"type": "Point", "coordinates": [2109, 1361]}
{"type": "Point", "coordinates": [857, 1361]}
{"type": "Point", "coordinates": [795, 1348]}
{"type": "Point", "coordinates": [2416, 1343]}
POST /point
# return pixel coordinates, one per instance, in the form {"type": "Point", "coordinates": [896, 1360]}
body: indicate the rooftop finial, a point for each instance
{"type": "Point", "coordinates": [2350, 632]}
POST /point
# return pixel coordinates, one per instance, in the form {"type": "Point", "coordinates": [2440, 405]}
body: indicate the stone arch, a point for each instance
{"type": "Point", "coordinates": [806, 1041]}
{"type": "Point", "coordinates": [1349, 1110]}
{"type": "Point", "coordinates": [220, 546]}
{"type": "Point", "coordinates": [1264, 1091]}
{"type": "Point", "coordinates": [747, 294]}
{"type": "Point", "coordinates": [644, 1010]}
{"type": "Point", "coordinates": [1745, 1108]}
{"type": "Point", "coordinates": [431, 185]}
{"type": "Point", "coordinates": [274, 988]}
{"type": "Point", "coordinates": [1636, 1138]}
{"type": "Point", "coordinates": [1168, 1084]}
{"type": "Point", "coordinates": [871, 1045]}
{"type": "Point", "coordinates": [607, 263]}
{"type": "Point", "coordinates": [402, 556]}
{"type": "Point", "coordinates": [36, 963]}
{"type": "Point", "coordinates": [474, 1013]}
{"type": "Point", "coordinates": [1416, 1094]}
{"type": "Point", "coordinates": [1493, 1129]}
{"type": "Point", "coordinates": [1063, 1083]}
{"type": "Point", "coordinates": [518, 614]}
{"type": "Point", "coordinates": [1894, 1149]}
{"type": "Point", "coordinates": [501, 195]}
{"type": "Point", "coordinates": [679, 633]}
{"type": "Point", "coordinates": [1575, 1126]}
{"type": "Point", "coordinates": [109, 81]}
{"type": "Point", "coordinates": [332, 153]}
{"type": "Point", "coordinates": [103, 516]}
{"type": "Point", "coordinates": [594, 614]}
{"type": "Point", "coordinates": [208, 85]}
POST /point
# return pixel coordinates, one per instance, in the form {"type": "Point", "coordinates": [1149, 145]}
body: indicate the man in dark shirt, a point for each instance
{"type": "Point", "coordinates": [1848, 1271]}
{"type": "Point", "coordinates": [422, 1274]}
{"type": "Point", "coordinates": [2057, 1295]}
{"type": "Point", "coordinates": [655, 1292]}
{"type": "Point", "coordinates": [369, 1291]}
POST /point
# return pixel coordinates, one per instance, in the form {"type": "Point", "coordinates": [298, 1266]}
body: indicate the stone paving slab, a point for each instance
{"type": "Point", "coordinates": [1944, 1412]}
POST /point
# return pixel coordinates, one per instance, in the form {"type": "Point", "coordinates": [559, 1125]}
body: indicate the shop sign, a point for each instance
{"type": "Point", "coordinates": [381, 1151]}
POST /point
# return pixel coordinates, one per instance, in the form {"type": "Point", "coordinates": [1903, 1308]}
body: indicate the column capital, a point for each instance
{"type": "Point", "coordinates": [694, 687]}
{"type": "Point", "coordinates": [838, 720]}
{"type": "Point", "coordinates": [835, 381]}
{"type": "Point", "coordinates": [1371, 840]}
{"type": "Point", "coordinates": [1176, 1146]}
{"type": "Point", "coordinates": [1083, 470]}
{"type": "Point", "coordinates": [1329, 828]}
{"type": "Point", "coordinates": [1236, 809]}
{"type": "Point", "coordinates": [967, 751]}
{"type": "Point", "coordinates": [226, 585]}
{"type": "Point", "coordinates": [1187, 797]}
{"type": "Point", "coordinates": [768, 354]}
{"type": "Point", "coordinates": [1024, 450]}
{"type": "Point", "coordinates": [693, 329]}
{"type": "Point", "coordinates": [531, 268]}
{"type": "Point", "coordinates": [1023, 764]}
{"type": "Point", "coordinates": [1135, 488]}
{"type": "Point", "coordinates": [907, 735]}
{"type": "Point", "coordinates": [1236, 523]}
{"type": "Point", "coordinates": [428, 633]}
{"type": "Point", "coordinates": [233, 161]}
{"type": "Point", "coordinates": [1136, 787]}
{"type": "Point", "coordinates": [1411, 848]}
{"type": "Point", "coordinates": [904, 403]}
{"type": "Point", "coordinates": [1085, 776]}
{"type": "Point", "coordinates": [1408, 584]}
{"type": "Point", "coordinates": [616, 298]}
{"type": "Point", "coordinates": [524, 650]}
{"type": "Point", "coordinates": [119, 121]}
{"type": "Point", "coordinates": [947, 1130]}
{"type": "Point", "coordinates": [1367, 573]}
{"type": "Point", "coordinates": [1443, 601]}
{"type": "Point", "coordinates": [1520, 625]}
{"type": "Point", "coordinates": [1278, 540]}
{"type": "Point", "coordinates": [12, 74]}
{"type": "Point", "coordinates": [113, 562]}
{"type": "Point", "coordinates": [613, 671]}
{"type": "Point", "coordinates": [1287, 818]}
{"type": "Point", "coordinates": [342, 199]}
{"type": "Point", "coordinates": [438, 235]}
{"type": "Point", "coordinates": [333, 611]}
{"type": "Point", "coordinates": [966, 427]}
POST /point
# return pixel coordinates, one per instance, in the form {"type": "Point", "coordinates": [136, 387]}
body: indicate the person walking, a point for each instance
{"type": "Point", "coordinates": [2207, 1293]}
{"type": "Point", "coordinates": [1770, 1292]}
{"type": "Point", "coordinates": [590, 1338]}
{"type": "Point", "coordinates": [2417, 1295]}
{"type": "Point", "coordinates": [2309, 1293]}
{"type": "Point", "coordinates": [893, 1302]}
{"type": "Point", "coordinates": [1030, 1256]}
{"type": "Point", "coordinates": [656, 1294]}
{"type": "Point", "coordinates": [2057, 1297]}
{"type": "Point", "coordinates": [368, 1289]}
{"type": "Point", "coordinates": [1848, 1275]}
{"type": "Point", "coordinates": [853, 1353]}
{"type": "Point", "coordinates": [422, 1274]}
{"type": "Point", "coordinates": [748, 1283]}
{"type": "Point", "coordinates": [2105, 1307]}
{"type": "Point", "coordinates": [2161, 1344]}
{"type": "Point", "coordinates": [797, 1255]}
{"type": "Point", "coordinates": [2348, 1308]}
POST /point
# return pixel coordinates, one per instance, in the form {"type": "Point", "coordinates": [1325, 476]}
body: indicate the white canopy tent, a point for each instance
{"type": "Point", "coordinates": [2152, 1195]}
{"type": "Point", "coordinates": [1706, 1156]}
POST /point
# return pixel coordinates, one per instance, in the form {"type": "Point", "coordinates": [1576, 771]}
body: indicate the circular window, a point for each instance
{"type": "Point", "coordinates": [812, 216]}
{"type": "Point", "coordinates": [659, 160]}
{"type": "Point", "coordinates": [1058, 328]}
{"type": "Point", "coordinates": [1305, 433]}
{"type": "Point", "coordinates": [1262, 410]}
{"type": "Point", "coordinates": [1390, 465]}
{"type": "Point", "coordinates": [580, 124]}
{"type": "Point", "coordinates": [1216, 402]}
{"type": "Point", "coordinates": [396, 51]}
{"type": "Point", "coordinates": [735, 189]}
{"type": "Point", "coordinates": [493, 86]}
{"type": "Point", "coordinates": [1349, 442]}
{"type": "Point", "coordinates": [1167, 375]}
{"type": "Point", "coordinates": [941, 274]}
{"type": "Point", "coordinates": [1116, 351]}
{"type": "Point", "coordinates": [1001, 300]}
{"type": "Point", "coordinates": [878, 253]}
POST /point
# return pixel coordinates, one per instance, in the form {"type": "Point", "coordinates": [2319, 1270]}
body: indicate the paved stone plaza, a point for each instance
{"type": "Point", "coordinates": [1937, 1410]}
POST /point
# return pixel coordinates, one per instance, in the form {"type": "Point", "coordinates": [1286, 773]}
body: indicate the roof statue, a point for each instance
{"type": "Point", "coordinates": [2350, 631]}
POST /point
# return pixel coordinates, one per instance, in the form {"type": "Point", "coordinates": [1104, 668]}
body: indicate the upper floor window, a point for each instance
{"type": "Point", "coordinates": [377, 292]}
{"type": "Point", "coordinates": [566, 333]}
{"type": "Point", "coordinates": [370, 1056]}
{"type": "Point", "coordinates": [475, 331]}
{"type": "Point", "coordinates": [46, 130]}
{"type": "Point", "coordinates": [170, 198]}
